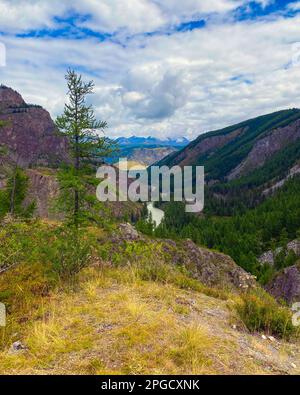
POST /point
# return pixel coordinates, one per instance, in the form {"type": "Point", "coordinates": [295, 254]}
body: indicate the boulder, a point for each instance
{"type": "Point", "coordinates": [286, 284]}
{"type": "Point", "coordinates": [128, 232]}
{"type": "Point", "coordinates": [17, 347]}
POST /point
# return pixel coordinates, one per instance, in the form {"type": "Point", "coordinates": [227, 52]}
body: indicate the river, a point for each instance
{"type": "Point", "coordinates": [157, 214]}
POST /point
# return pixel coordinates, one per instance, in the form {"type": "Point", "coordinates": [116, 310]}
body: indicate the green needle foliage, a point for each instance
{"type": "Point", "coordinates": [12, 197]}
{"type": "Point", "coordinates": [88, 147]}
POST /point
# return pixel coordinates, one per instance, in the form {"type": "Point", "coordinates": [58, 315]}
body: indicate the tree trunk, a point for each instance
{"type": "Point", "coordinates": [77, 165]}
{"type": "Point", "coordinates": [13, 193]}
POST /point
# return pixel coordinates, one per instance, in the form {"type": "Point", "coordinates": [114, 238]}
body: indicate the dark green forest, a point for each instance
{"type": "Point", "coordinates": [242, 236]}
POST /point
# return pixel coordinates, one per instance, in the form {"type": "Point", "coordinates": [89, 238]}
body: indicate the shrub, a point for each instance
{"type": "Point", "coordinates": [69, 252]}
{"type": "Point", "coordinates": [12, 197]}
{"type": "Point", "coordinates": [260, 312]}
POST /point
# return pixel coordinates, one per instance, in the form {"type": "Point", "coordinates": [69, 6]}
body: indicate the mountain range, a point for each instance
{"type": "Point", "coordinates": [152, 141]}
{"type": "Point", "coordinates": [148, 150]}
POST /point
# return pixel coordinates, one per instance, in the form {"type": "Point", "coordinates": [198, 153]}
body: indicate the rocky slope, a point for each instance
{"type": "Point", "coordinates": [29, 133]}
{"type": "Point", "coordinates": [43, 190]}
{"type": "Point", "coordinates": [211, 268]}
{"type": "Point", "coordinates": [148, 156]}
{"type": "Point", "coordinates": [269, 257]}
{"type": "Point", "coordinates": [266, 147]}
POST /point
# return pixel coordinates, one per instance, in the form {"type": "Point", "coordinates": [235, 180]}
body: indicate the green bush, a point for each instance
{"type": "Point", "coordinates": [261, 313]}
{"type": "Point", "coordinates": [69, 252]}
{"type": "Point", "coordinates": [12, 197]}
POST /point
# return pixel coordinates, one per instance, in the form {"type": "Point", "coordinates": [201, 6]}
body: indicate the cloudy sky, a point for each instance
{"type": "Point", "coordinates": [161, 67]}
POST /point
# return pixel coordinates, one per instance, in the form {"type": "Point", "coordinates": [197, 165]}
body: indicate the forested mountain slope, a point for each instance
{"type": "Point", "coordinates": [238, 150]}
{"type": "Point", "coordinates": [252, 191]}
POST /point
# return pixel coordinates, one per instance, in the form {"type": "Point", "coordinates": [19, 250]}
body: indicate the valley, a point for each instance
{"type": "Point", "coordinates": [195, 285]}
{"type": "Point", "coordinates": [149, 195]}
{"type": "Point", "coordinates": [147, 150]}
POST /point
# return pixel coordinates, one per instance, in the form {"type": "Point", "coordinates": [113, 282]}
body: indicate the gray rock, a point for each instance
{"type": "Point", "coordinates": [294, 246]}
{"type": "Point", "coordinates": [269, 257]}
{"type": "Point", "coordinates": [128, 232]}
{"type": "Point", "coordinates": [17, 347]}
{"type": "Point", "coordinates": [286, 285]}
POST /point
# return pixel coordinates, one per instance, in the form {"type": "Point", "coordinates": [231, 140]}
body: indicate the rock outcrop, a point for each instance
{"type": "Point", "coordinates": [29, 132]}
{"type": "Point", "coordinates": [215, 269]}
{"type": "Point", "coordinates": [211, 268]}
{"type": "Point", "coordinates": [128, 232]}
{"type": "Point", "coordinates": [43, 188]}
{"type": "Point", "coordinates": [267, 146]}
{"type": "Point", "coordinates": [286, 284]}
{"type": "Point", "coordinates": [269, 257]}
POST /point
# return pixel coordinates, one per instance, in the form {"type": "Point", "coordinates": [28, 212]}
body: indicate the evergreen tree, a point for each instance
{"type": "Point", "coordinates": [87, 148]}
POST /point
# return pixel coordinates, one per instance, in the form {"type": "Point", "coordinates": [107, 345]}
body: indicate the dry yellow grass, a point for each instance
{"type": "Point", "coordinates": [116, 324]}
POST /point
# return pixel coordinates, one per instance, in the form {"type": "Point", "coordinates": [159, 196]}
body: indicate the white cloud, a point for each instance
{"type": "Point", "coordinates": [154, 92]}
{"type": "Point", "coordinates": [294, 6]}
{"type": "Point", "coordinates": [134, 16]}
{"type": "Point", "coordinates": [166, 85]}
{"type": "Point", "coordinates": [19, 15]}
{"type": "Point", "coordinates": [109, 16]}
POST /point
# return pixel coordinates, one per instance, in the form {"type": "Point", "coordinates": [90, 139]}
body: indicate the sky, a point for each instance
{"type": "Point", "coordinates": [165, 68]}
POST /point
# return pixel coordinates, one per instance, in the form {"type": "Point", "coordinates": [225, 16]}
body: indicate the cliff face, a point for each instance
{"type": "Point", "coordinates": [29, 132]}
{"type": "Point", "coordinates": [43, 189]}
{"type": "Point", "coordinates": [267, 146]}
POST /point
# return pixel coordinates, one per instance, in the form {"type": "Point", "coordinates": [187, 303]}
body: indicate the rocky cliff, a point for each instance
{"type": "Point", "coordinates": [29, 132]}
{"type": "Point", "coordinates": [43, 190]}
{"type": "Point", "coordinates": [266, 147]}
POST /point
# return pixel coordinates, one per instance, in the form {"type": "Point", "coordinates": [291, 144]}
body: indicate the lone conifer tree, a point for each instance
{"type": "Point", "coordinates": [87, 147]}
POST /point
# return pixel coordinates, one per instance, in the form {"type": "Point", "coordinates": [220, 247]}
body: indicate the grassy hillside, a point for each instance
{"type": "Point", "coordinates": [131, 310]}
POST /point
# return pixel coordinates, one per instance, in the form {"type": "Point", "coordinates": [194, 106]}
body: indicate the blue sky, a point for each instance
{"type": "Point", "coordinates": [161, 67]}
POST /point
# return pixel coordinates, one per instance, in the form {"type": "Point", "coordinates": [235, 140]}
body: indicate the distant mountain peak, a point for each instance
{"type": "Point", "coordinates": [150, 140]}
{"type": "Point", "coordinates": [10, 98]}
